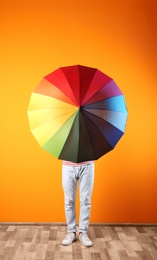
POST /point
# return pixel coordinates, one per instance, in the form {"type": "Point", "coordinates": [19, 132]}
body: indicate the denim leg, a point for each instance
{"type": "Point", "coordinates": [86, 187]}
{"type": "Point", "coordinates": [69, 186]}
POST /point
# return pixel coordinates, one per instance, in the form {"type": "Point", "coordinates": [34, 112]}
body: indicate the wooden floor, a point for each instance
{"type": "Point", "coordinates": [30, 242]}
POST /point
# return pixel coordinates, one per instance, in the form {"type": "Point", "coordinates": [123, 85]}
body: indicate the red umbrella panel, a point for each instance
{"type": "Point", "coordinates": [77, 113]}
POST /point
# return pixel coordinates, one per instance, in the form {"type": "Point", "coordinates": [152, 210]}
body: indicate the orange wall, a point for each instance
{"type": "Point", "coordinates": [119, 38]}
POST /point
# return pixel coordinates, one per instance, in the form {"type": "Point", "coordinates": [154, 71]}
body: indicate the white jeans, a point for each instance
{"type": "Point", "coordinates": [85, 175]}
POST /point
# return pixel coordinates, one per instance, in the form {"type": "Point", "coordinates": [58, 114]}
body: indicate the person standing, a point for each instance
{"type": "Point", "coordinates": [73, 173]}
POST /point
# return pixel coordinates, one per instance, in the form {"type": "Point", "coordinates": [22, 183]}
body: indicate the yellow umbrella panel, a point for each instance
{"type": "Point", "coordinates": [47, 116]}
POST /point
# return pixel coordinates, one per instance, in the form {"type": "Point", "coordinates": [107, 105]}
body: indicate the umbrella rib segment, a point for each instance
{"type": "Point", "coordinates": [92, 144]}
{"type": "Point", "coordinates": [85, 143]}
{"type": "Point", "coordinates": [86, 77]}
{"type": "Point", "coordinates": [112, 110]}
{"type": "Point", "coordinates": [46, 88]}
{"type": "Point", "coordinates": [116, 103]}
{"type": "Point", "coordinates": [97, 129]}
{"type": "Point", "coordinates": [69, 151]}
{"type": "Point", "coordinates": [99, 143]}
{"type": "Point", "coordinates": [106, 131]}
{"type": "Point", "coordinates": [100, 119]}
{"type": "Point", "coordinates": [40, 117]}
{"type": "Point", "coordinates": [72, 76]}
{"type": "Point", "coordinates": [117, 119]}
{"type": "Point", "coordinates": [108, 90]}
{"type": "Point", "coordinates": [74, 99]}
{"type": "Point", "coordinates": [44, 132]}
{"type": "Point", "coordinates": [55, 145]}
{"type": "Point", "coordinates": [40, 101]}
{"type": "Point", "coordinates": [98, 82]}
{"type": "Point", "coordinates": [57, 117]}
{"type": "Point", "coordinates": [58, 79]}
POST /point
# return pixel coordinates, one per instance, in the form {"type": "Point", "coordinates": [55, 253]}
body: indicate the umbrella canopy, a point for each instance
{"type": "Point", "coordinates": [77, 113]}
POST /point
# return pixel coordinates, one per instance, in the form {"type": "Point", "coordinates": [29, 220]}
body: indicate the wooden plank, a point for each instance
{"type": "Point", "coordinates": [28, 242]}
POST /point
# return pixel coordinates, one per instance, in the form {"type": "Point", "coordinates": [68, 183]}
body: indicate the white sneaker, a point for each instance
{"type": "Point", "coordinates": [83, 237]}
{"type": "Point", "coordinates": [69, 239]}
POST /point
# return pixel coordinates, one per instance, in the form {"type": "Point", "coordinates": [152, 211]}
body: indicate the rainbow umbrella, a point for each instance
{"type": "Point", "coordinates": [77, 113]}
